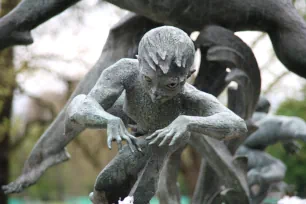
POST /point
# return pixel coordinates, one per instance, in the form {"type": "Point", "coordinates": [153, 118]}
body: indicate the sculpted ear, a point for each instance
{"type": "Point", "coordinates": [137, 57]}
{"type": "Point", "coordinates": [191, 71]}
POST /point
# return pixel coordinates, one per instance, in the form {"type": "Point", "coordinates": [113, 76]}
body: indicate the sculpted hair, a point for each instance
{"type": "Point", "coordinates": [166, 43]}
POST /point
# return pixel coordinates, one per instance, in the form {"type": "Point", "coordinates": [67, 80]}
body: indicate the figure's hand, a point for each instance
{"type": "Point", "coordinates": [116, 131]}
{"type": "Point", "coordinates": [172, 134]}
{"type": "Point", "coordinates": [292, 147]}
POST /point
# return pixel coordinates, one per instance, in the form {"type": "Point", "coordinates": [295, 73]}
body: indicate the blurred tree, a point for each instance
{"type": "Point", "coordinates": [7, 84]}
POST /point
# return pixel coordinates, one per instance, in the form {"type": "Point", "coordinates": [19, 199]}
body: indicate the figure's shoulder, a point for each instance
{"type": "Point", "coordinates": [125, 70]}
{"type": "Point", "coordinates": [191, 93]}
{"type": "Point", "coordinates": [124, 65]}
{"type": "Point", "coordinates": [197, 102]}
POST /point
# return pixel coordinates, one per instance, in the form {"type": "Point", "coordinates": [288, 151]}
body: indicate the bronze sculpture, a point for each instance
{"type": "Point", "coordinates": [124, 38]}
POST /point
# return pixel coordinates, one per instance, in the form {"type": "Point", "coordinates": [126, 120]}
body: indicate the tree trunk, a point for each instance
{"type": "Point", "coordinates": [6, 96]}
{"type": "Point", "coordinates": [7, 83]}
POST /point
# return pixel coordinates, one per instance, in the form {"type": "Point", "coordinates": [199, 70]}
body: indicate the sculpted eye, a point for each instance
{"type": "Point", "coordinates": [172, 85]}
{"type": "Point", "coordinates": [148, 79]}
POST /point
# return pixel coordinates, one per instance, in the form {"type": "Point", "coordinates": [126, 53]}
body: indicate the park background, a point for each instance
{"type": "Point", "coordinates": [36, 81]}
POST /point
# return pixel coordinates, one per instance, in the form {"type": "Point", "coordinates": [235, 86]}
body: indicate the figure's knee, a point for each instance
{"type": "Point", "coordinates": [105, 181]}
{"type": "Point", "coordinates": [123, 169]}
{"type": "Point", "coordinates": [97, 197]}
{"type": "Point", "coordinates": [112, 176]}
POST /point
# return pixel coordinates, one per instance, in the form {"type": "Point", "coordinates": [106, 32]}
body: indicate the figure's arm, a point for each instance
{"type": "Point", "coordinates": [205, 115]}
{"type": "Point", "coordinates": [273, 129]}
{"type": "Point", "coordinates": [15, 27]}
{"type": "Point", "coordinates": [214, 119]}
{"type": "Point", "coordinates": [89, 111]}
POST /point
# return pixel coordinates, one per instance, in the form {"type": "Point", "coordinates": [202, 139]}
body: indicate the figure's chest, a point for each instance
{"type": "Point", "coordinates": [148, 115]}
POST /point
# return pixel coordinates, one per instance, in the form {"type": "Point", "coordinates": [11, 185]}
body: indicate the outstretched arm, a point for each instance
{"type": "Point", "coordinates": [15, 27]}
{"type": "Point", "coordinates": [88, 111]}
{"type": "Point", "coordinates": [273, 129]}
{"type": "Point", "coordinates": [213, 119]}
{"type": "Point", "coordinates": [204, 115]}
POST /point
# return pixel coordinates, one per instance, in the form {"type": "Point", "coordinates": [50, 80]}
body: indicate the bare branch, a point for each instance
{"type": "Point", "coordinates": [39, 101]}
{"type": "Point", "coordinates": [87, 153]}
{"type": "Point", "coordinates": [269, 62]}
{"type": "Point", "coordinates": [54, 57]}
{"type": "Point", "coordinates": [276, 81]}
{"type": "Point", "coordinates": [258, 39]}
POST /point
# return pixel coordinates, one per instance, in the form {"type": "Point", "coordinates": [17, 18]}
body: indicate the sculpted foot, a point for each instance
{"type": "Point", "coordinates": [32, 173]}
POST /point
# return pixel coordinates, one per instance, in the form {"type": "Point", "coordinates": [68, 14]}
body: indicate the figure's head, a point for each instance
{"type": "Point", "coordinates": [166, 55]}
{"type": "Point", "coordinates": [263, 105]}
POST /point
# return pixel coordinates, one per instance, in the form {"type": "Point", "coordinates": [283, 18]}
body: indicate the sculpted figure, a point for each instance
{"type": "Point", "coordinates": [164, 108]}
{"type": "Point", "coordinates": [263, 169]}
{"type": "Point", "coordinates": [123, 43]}
{"type": "Point", "coordinates": [166, 111]}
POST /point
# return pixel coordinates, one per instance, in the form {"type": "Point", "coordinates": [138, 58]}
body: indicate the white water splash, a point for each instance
{"type": "Point", "coordinates": [291, 200]}
{"type": "Point", "coordinates": [127, 200]}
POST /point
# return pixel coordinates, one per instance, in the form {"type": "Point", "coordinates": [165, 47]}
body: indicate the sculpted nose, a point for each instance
{"type": "Point", "coordinates": [154, 95]}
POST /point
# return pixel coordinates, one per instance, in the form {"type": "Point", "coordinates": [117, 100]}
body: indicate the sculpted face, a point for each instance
{"type": "Point", "coordinates": [165, 57]}
{"type": "Point", "coordinates": [162, 87]}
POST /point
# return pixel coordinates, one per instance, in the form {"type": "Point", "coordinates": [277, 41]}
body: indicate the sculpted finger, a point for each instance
{"type": "Point", "coordinates": [155, 140]}
{"type": "Point", "coordinates": [110, 135]}
{"type": "Point", "coordinates": [170, 133]}
{"type": "Point", "coordinates": [160, 136]}
{"type": "Point", "coordinates": [134, 141]}
{"type": "Point", "coordinates": [131, 145]}
{"type": "Point", "coordinates": [166, 137]}
{"type": "Point", "coordinates": [131, 139]}
{"type": "Point", "coordinates": [126, 132]}
{"type": "Point", "coordinates": [119, 143]}
{"type": "Point", "coordinates": [175, 138]}
{"type": "Point", "coordinates": [109, 142]}
{"type": "Point", "coordinates": [164, 141]}
{"type": "Point", "coordinates": [154, 134]}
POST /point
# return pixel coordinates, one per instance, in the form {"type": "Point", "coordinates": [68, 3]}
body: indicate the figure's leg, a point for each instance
{"type": "Point", "coordinates": [168, 189]}
{"type": "Point", "coordinates": [122, 42]}
{"type": "Point", "coordinates": [135, 174]}
{"type": "Point", "coordinates": [206, 185]}
{"type": "Point", "coordinates": [222, 162]}
{"type": "Point", "coordinates": [147, 184]}
{"type": "Point", "coordinates": [118, 177]}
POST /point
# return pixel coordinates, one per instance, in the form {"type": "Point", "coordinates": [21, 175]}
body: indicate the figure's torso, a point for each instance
{"type": "Point", "coordinates": [150, 116]}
